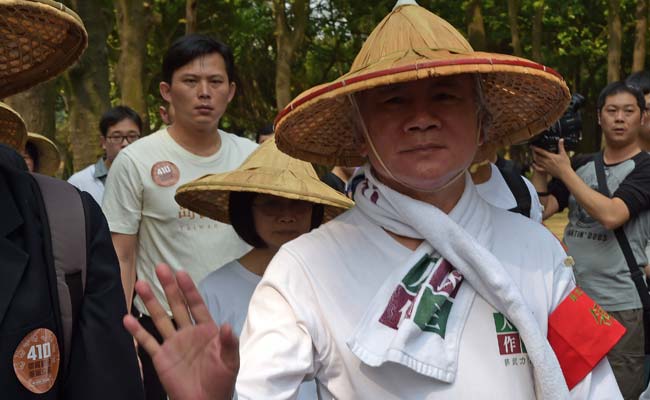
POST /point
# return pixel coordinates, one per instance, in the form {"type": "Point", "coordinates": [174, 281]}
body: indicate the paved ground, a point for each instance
{"type": "Point", "coordinates": [557, 223]}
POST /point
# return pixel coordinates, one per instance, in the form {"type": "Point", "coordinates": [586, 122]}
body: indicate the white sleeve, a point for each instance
{"type": "Point", "coordinates": [122, 202]}
{"type": "Point", "coordinates": [600, 382]}
{"type": "Point", "coordinates": [276, 346]}
{"type": "Point", "coordinates": [536, 210]}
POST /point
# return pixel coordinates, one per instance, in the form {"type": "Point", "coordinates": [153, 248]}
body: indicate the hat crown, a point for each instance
{"type": "Point", "coordinates": [269, 157]}
{"type": "Point", "coordinates": [408, 28]}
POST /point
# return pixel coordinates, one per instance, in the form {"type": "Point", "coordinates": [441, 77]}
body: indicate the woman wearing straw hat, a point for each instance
{"type": "Point", "coordinates": [423, 290]}
{"type": "Point", "coordinates": [13, 132]}
{"type": "Point", "coordinates": [270, 200]}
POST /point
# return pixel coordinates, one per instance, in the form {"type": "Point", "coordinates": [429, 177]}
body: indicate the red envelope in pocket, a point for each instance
{"type": "Point", "coordinates": [581, 333]}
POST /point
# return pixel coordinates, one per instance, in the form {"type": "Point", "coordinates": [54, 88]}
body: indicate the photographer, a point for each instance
{"type": "Point", "coordinates": [600, 266]}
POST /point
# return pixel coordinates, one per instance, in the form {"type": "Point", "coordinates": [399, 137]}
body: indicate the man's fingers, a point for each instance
{"type": "Point", "coordinates": [229, 347]}
{"type": "Point", "coordinates": [174, 296]}
{"type": "Point", "coordinates": [560, 147]}
{"type": "Point", "coordinates": [144, 338]}
{"type": "Point", "coordinates": [194, 300]}
{"type": "Point", "coordinates": [156, 311]}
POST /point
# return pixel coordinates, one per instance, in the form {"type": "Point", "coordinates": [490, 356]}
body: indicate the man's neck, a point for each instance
{"type": "Point", "coordinates": [615, 155]}
{"type": "Point", "coordinates": [203, 143]}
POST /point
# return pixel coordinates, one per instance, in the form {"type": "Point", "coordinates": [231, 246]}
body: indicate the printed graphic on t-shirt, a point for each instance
{"type": "Point", "coordinates": [434, 304]}
{"type": "Point", "coordinates": [511, 347]}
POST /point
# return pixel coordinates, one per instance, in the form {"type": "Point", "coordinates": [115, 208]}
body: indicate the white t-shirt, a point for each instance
{"type": "Point", "coordinates": [87, 180]}
{"type": "Point", "coordinates": [496, 192]}
{"type": "Point", "coordinates": [317, 288]}
{"type": "Point", "coordinates": [227, 292]}
{"type": "Point", "coordinates": [139, 199]}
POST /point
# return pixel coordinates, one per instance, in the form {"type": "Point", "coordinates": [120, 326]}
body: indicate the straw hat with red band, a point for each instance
{"type": "Point", "coordinates": [39, 39]}
{"type": "Point", "coordinates": [13, 132]}
{"type": "Point", "coordinates": [522, 97]}
{"type": "Point", "coordinates": [49, 158]}
{"type": "Point", "coordinates": [267, 170]}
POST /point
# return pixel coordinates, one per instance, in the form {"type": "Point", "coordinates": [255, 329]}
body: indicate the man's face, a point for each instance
{"type": "Point", "coordinates": [119, 136]}
{"type": "Point", "coordinates": [621, 120]}
{"type": "Point", "coordinates": [199, 92]}
{"type": "Point", "coordinates": [425, 131]}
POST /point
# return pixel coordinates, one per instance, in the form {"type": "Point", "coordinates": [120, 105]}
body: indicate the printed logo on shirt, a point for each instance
{"type": "Point", "coordinates": [511, 347]}
{"type": "Point", "coordinates": [36, 360]}
{"type": "Point", "coordinates": [435, 302]}
{"type": "Point", "coordinates": [165, 173]}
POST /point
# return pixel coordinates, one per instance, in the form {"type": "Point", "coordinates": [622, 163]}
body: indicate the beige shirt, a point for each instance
{"type": "Point", "coordinates": [139, 199]}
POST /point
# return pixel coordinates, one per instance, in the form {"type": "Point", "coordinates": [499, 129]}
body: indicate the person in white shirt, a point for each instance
{"type": "Point", "coordinates": [119, 127]}
{"type": "Point", "coordinates": [423, 290]}
{"type": "Point", "coordinates": [147, 225]}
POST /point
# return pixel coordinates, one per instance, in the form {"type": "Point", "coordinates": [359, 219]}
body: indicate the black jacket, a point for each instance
{"type": "Point", "coordinates": [102, 363]}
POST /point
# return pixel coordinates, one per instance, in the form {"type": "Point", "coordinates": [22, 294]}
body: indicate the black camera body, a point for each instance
{"type": "Point", "coordinates": [568, 127]}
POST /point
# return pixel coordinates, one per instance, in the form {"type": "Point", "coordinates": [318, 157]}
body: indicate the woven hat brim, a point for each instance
{"type": "Point", "coordinates": [523, 97]}
{"type": "Point", "coordinates": [13, 131]}
{"type": "Point", "coordinates": [209, 195]}
{"type": "Point", "coordinates": [39, 39]}
{"type": "Point", "coordinates": [49, 158]}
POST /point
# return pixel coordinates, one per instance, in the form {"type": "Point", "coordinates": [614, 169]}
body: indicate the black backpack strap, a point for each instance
{"type": "Point", "coordinates": [635, 271]}
{"type": "Point", "coordinates": [517, 187]}
{"type": "Point", "coordinates": [67, 221]}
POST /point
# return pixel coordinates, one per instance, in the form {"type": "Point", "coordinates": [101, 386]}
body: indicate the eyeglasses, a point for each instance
{"type": "Point", "coordinates": [273, 207]}
{"type": "Point", "coordinates": [118, 139]}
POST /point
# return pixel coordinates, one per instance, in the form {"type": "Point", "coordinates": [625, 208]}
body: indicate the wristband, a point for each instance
{"type": "Point", "coordinates": [542, 194]}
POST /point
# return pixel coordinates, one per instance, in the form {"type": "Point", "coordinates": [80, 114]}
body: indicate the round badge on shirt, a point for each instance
{"type": "Point", "coordinates": [165, 173]}
{"type": "Point", "coordinates": [36, 360]}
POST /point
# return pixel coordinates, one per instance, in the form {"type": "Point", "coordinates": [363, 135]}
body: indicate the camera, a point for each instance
{"type": "Point", "coordinates": [568, 127]}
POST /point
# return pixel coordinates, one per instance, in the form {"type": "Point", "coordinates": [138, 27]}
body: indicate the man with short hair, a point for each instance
{"type": "Point", "coordinates": [422, 290]}
{"type": "Point", "coordinates": [600, 266]}
{"type": "Point", "coordinates": [119, 127]}
{"type": "Point", "coordinates": [148, 227]}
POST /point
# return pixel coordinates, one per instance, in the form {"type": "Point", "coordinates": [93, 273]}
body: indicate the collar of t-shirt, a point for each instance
{"type": "Point", "coordinates": [100, 170]}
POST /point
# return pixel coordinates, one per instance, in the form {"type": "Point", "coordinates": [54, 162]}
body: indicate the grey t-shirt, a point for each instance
{"type": "Point", "coordinates": [600, 266]}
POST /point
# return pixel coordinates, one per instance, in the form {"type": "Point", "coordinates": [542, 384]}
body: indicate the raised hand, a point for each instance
{"type": "Point", "coordinates": [197, 361]}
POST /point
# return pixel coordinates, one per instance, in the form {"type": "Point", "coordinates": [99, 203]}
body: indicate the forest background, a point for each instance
{"type": "Point", "coordinates": [284, 47]}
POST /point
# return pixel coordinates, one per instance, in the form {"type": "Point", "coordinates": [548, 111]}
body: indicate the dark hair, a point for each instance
{"type": "Point", "coordinates": [265, 130]}
{"type": "Point", "coordinates": [11, 158]}
{"type": "Point", "coordinates": [187, 48]}
{"type": "Point", "coordinates": [616, 88]}
{"type": "Point", "coordinates": [116, 115]}
{"type": "Point", "coordinates": [640, 80]}
{"type": "Point", "coordinates": [240, 212]}
{"type": "Point", "coordinates": [32, 151]}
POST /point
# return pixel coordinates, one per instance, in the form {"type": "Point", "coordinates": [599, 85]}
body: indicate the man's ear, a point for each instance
{"type": "Point", "coordinates": [598, 117]}
{"type": "Point", "coordinates": [102, 141]}
{"type": "Point", "coordinates": [165, 88]}
{"type": "Point", "coordinates": [231, 91]}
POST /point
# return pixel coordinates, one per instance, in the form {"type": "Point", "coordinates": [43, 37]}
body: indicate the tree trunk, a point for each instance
{"type": "Point", "coordinates": [638, 61]}
{"type": "Point", "coordinates": [191, 7]}
{"type": "Point", "coordinates": [537, 31]}
{"type": "Point", "coordinates": [287, 41]}
{"type": "Point", "coordinates": [132, 26]}
{"type": "Point", "coordinates": [37, 107]}
{"type": "Point", "coordinates": [615, 39]}
{"type": "Point", "coordinates": [88, 84]}
{"type": "Point", "coordinates": [475, 26]}
{"type": "Point", "coordinates": [513, 12]}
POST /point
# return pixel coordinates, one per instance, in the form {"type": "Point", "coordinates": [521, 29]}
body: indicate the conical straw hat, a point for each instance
{"type": "Point", "coordinates": [411, 43]}
{"type": "Point", "coordinates": [266, 170]}
{"type": "Point", "coordinates": [49, 157]}
{"type": "Point", "coordinates": [39, 39]}
{"type": "Point", "coordinates": [12, 128]}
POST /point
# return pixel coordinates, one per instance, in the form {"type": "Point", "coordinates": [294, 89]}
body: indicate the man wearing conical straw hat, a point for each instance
{"type": "Point", "coordinates": [51, 346]}
{"type": "Point", "coordinates": [422, 290]}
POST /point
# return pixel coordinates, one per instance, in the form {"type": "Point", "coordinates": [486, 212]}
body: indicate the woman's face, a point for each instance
{"type": "Point", "coordinates": [279, 220]}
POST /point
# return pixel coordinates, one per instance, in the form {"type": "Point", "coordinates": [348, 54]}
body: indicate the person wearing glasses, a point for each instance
{"type": "Point", "coordinates": [120, 126]}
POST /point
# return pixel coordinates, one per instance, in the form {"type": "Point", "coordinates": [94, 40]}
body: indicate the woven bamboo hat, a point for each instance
{"type": "Point", "coordinates": [267, 170]}
{"type": "Point", "coordinates": [13, 132]}
{"type": "Point", "coordinates": [39, 39]}
{"type": "Point", "coordinates": [49, 158]}
{"type": "Point", "coordinates": [411, 43]}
